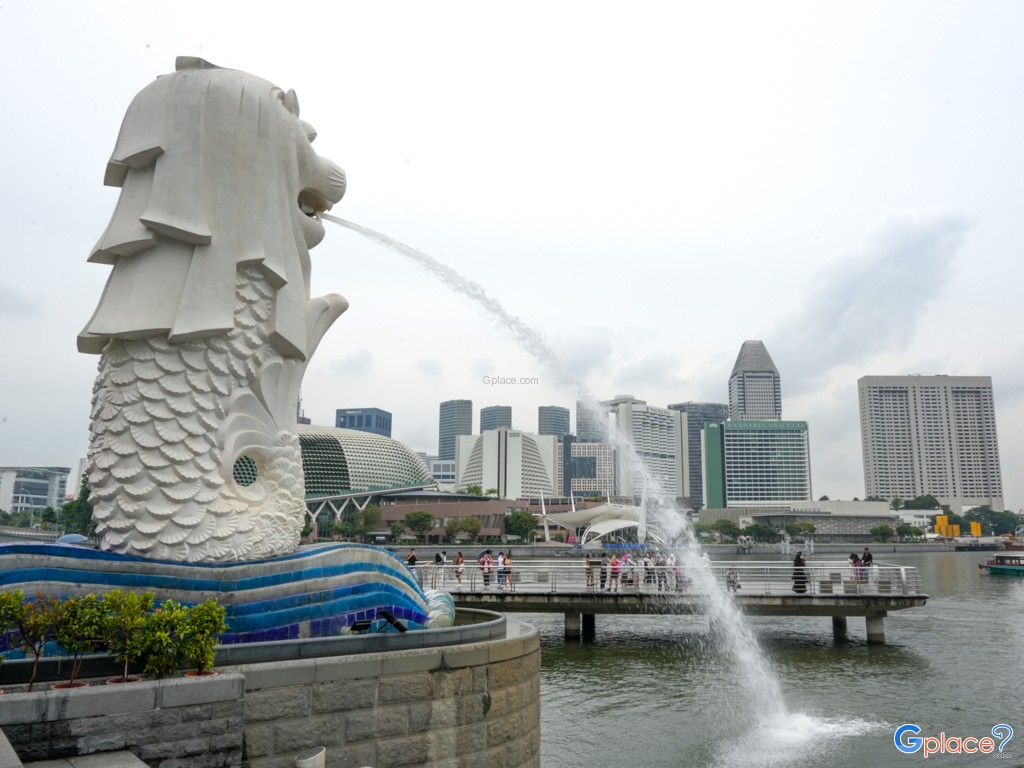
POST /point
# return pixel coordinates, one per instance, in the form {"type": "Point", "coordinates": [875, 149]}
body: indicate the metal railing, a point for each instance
{"type": "Point", "coordinates": [824, 577]}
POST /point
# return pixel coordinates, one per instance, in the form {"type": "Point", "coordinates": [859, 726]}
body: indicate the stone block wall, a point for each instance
{"type": "Point", "coordinates": [173, 723]}
{"type": "Point", "coordinates": [463, 705]}
{"type": "Point", "coordinates": [476, 704]}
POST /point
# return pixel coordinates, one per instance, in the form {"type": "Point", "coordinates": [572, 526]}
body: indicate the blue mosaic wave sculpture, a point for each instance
{"type": "Point", "coordinates": [319, 591]}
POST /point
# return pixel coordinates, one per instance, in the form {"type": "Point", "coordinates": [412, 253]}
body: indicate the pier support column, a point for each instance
{"type": "Point", "coordinates": [572, 626]}
{"type": "Point", "coordinates": [839, 627]}
{"type": "Point", "coordinates": [588, 626]}
{"type": "Point", "coordinates": [875, 626]}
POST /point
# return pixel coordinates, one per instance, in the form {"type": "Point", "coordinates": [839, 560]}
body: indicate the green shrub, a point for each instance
{"type": "Point", "coordinates": [203, 623]}
{"type": "Point", "coordinates": [163, 631]}
{"type": "Point", "coordinates": [78, 628]}
{"type": "Point", "coordinates": [125, 615]}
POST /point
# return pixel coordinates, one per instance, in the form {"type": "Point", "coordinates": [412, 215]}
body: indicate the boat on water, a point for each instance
{"type": "Point", "coordinates": [1005, 563]}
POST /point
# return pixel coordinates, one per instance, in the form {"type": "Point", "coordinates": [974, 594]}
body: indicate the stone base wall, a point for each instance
{"type": "Point", "coordinates": [476, 704]}
{"type": "Point", "coordinates": [174, 723]}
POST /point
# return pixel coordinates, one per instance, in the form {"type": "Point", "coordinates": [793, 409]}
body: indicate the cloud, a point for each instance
{"type": "Point", "coordinates": [14, 303]}
{"type": "Point", "coordinates": [873, 300]}
{"type": "Point", "coordinates": [584, 354]}
{"type": "Point", "coordinates": [430, 367]}
{"type": "Point", "coordinates": [649, 372]}
{"type": "Point", "coordinates": [359, 363]}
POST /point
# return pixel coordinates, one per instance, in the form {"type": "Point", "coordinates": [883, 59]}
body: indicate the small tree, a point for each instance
{"type": "Point", "coordinates": [472, 526]}
{"type": "Point", "coordinates": [203, 623]}
{"type": "Point", "coordinates": [882, 532]}
{"type": "Point", "coordinates": [76, 516]}
{"type": "Point", "coordinates": [10, 606]}
{"type": "Point", "coordinates": [908, 532]}
{"type": "Point", "coordinates": [420, 522]}
{"type": "Point", "coordinates": [760, 532]}
{"type": "Point", "coordinates": [162, 632]}
{"type": "Point", "coordinates": [522, 524]}
{"type": "Point", "coordinates": [397, 529]}
{"type": "Point", "coordinates": [726, 528]}
{"type": "Point", "coordinates": [125, 614]}
{"type": "Point", "coordinates": [35, 621]}
{"type": "Point", "coordinates": [78, 629]}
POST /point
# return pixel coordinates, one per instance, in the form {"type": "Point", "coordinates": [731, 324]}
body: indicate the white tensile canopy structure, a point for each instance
{"type": "Point", "coordinates": [601, 520]}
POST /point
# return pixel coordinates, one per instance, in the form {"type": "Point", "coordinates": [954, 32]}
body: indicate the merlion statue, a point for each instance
{"type": "Point", "coordinates": [206, 325]}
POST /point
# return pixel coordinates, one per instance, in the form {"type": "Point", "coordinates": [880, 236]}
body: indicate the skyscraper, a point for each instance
{"type": "Point", "coordinates": [372, 420]}
{"type": "Point", "coordinates": [495, 417]}
{"type": "Point", "coordinates": [456, 419]}
{"type": "Point", "coordinates": [930, 435]}
{"type": "Point", "coordinates": [591, 422]}
{"type": "Point", "coordinates": [754, 388]}
{"type": "Point", "coordinates": [655, 435]}
{"type": "Point", "coordinates": [695, 416]}
{"type": "Point", "coordinates": [756, 463]}
{"type": "Point", "coordinates": [552, 420]}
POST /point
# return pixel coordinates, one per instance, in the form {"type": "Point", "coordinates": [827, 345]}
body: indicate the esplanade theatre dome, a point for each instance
{"type": "Point", "coordinates": [338, 461]}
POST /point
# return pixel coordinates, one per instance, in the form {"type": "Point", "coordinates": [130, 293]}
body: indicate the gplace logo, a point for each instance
{"type": "Point", "coordinates": [909, 742]}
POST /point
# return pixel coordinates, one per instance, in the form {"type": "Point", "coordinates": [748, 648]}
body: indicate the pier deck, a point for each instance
{"type": "Point", "coordinates": [832, 589]}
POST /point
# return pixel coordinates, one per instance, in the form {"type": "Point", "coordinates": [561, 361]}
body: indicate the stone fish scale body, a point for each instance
{"type": "Point", "coordinates": [156, 466]}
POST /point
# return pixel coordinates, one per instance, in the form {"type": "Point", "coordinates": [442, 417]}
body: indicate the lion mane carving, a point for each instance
{"type": "Point", "coordinates": [205, 326]}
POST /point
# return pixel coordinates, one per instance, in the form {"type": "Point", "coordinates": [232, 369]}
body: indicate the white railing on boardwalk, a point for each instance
{"type": "Point", "coordinates": [823, 577]}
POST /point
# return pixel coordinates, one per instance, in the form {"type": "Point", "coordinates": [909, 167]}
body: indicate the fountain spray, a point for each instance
{"type": "Point", "coordinates": [762, 693]}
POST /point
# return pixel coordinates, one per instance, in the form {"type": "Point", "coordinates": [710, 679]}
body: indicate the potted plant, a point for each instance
{"type": "Point", "coordinates": [162, 632]}
{"type": "Point", "coordinates": [10, 605]}
{"type": "Point", "coordinates": [35, 621]}
{"type": "Point", "coordinates": [203, 623]}
{"type": "Point", "coordinates": [78, 629]}
{"type": "Point", "coordinates": [124, 617]}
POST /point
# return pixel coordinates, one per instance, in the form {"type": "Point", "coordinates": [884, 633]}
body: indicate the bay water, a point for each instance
{"type": "Point", "coordinates": [652, 691]}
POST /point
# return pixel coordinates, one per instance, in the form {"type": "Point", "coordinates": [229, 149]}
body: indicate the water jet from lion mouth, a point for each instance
{"type": "Point", "coordinates": [763, 693]}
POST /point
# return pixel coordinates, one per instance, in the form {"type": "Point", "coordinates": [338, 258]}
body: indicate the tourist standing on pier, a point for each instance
{"type": "Point", "coordinates": [616, 573]}
{"type": "Point", "coordinates": [662, 565]}
{"type": "Point", "coordinates": [799, 573]}
{"type": "Point", "coordinates": [460, 565]}
{"type": "Point", "coordinates": [648, 568]}
{"type": "Point", "coordinates": [866, 561]}
{"type": "Point", "coordinates": [588, 569]}
{"type": "Point", "coordinates": [501, 570]}
{"type": "Point", "coordinates": [604, 570]}
{"type": "Point", "coordinates": [855, 566]}
{"type": "Point", "coordinates": [509, 576]}
{"type": "Point", "coordinates": [486, 564]}
{"type": "Point", "coordinates": [732, 579]}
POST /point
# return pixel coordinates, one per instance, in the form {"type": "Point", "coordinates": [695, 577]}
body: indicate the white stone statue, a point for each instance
{"type": "Point", "coordinates": [206, 325]}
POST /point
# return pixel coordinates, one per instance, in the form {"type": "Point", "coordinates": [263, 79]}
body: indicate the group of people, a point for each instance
{"type": "Point", "coordinates": [859, 564]}
{"type": "Point", "coordinates": [500, 567]}
{"type": "Point", "coordinates": [441, 565]}
{"type": "Point", "coordinates": [607, 574]}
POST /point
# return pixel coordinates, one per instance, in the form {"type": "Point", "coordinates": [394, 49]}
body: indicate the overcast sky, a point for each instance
{"type": "Point", "coordinates": [646, 184]}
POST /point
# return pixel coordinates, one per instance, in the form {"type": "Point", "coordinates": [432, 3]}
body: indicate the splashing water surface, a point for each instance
{"type": "Point", "coordinates": [765, 709]}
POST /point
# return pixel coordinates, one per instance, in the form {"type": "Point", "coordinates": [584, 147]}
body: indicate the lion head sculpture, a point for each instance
{"type": "Point", "coordinates": [216, 171]}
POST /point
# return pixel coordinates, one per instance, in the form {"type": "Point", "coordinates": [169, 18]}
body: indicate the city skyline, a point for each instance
{"type": "Point", "coordinates": [837, 181]}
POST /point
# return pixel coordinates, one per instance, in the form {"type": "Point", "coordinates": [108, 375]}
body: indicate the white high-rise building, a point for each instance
{"type": "Point", "coordinates": [755, 391]}
{"type": "Point", "coordinates": [516, 464]}
{"type": "Point", "coordinates": [657, 435]}
{"type": "Point", "coordinates": [930, 435]}
{"type": "Point", "coordinates": [24, 489]}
